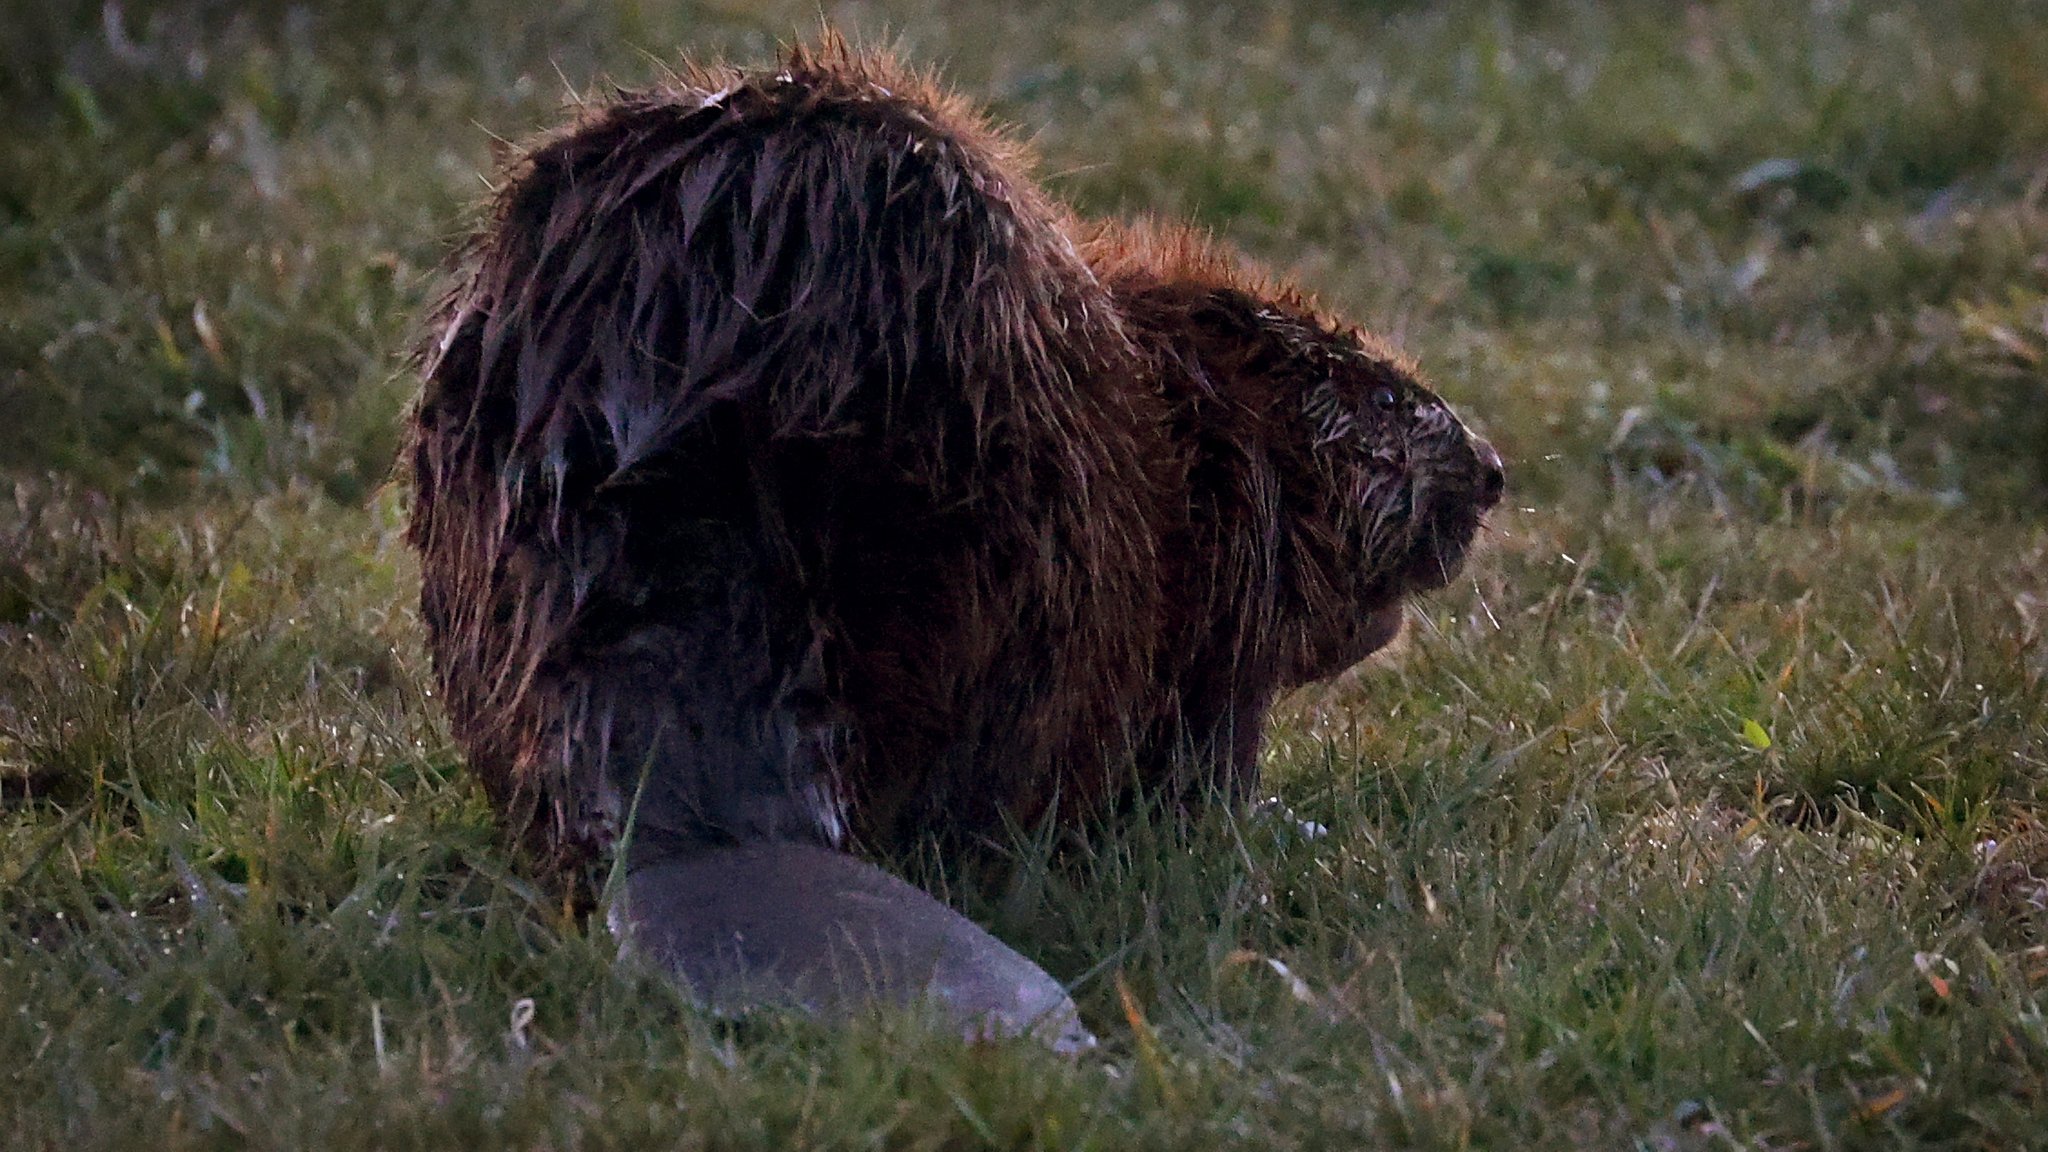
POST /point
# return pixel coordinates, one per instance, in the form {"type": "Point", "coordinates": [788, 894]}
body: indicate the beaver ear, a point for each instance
{"type": "Point", "coordinates": [1231, 312]}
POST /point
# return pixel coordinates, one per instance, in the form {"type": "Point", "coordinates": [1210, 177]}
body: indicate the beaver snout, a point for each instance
{"type": "Point", "coordinates": [1493, 475]}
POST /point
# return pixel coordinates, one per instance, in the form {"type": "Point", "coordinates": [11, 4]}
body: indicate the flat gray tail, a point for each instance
{"type": "Point", "coordinates": [786, 924]}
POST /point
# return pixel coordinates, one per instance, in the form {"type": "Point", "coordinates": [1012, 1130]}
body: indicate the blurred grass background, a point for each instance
{"type": "Point", "coordinates": [1708, 811]}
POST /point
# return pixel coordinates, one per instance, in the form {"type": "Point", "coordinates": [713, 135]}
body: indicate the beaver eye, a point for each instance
{"type": "Point", "coordinates": [1384, 399]}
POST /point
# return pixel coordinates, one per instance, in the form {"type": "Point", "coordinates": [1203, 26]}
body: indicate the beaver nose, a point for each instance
{"type": "Point", "coordinates": [1493, 476]}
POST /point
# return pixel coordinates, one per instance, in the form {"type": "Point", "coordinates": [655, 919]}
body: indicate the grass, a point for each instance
{"type": "Point", "coordinates": [1712, 810]}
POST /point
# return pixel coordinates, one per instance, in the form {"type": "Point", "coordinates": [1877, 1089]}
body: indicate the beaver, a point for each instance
{"type": "Point", "coordinates": [793, 476]}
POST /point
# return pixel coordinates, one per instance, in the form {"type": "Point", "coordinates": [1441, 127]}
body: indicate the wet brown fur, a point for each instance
{"type": "Point", "coordinates": [788, 465]}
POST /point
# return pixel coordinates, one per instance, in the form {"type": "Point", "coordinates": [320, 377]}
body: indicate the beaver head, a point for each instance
{"type": "Point", "coordinates": [1398, 479]}
{"type": "Point", "coordinates": [1378, 489]}
{"type": "Point", "coordinates": [1329, 482]}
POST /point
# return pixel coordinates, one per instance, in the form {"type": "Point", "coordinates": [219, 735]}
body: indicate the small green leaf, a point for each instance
{"type": "Point", "coordinates": [1754, 733]}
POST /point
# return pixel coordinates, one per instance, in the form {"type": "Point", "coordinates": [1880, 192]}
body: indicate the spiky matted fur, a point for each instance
{"type": "Point", "coordinates": [787, 461]}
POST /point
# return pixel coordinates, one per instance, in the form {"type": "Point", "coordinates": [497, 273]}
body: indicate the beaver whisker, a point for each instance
{"type": "Point", "coordinates": [1479, 595]}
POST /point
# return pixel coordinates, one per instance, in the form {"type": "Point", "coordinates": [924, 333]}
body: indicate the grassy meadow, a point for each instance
{"type": "Point", "coordinates": [1710, 810]}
